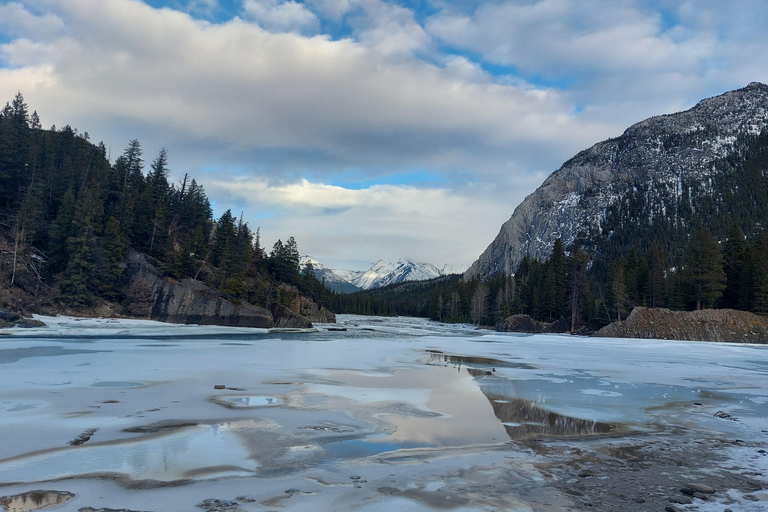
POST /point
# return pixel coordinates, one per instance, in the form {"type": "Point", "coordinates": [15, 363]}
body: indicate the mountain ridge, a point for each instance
{"type": "Point", "coordinates": [380, 274]}
{"type": "Point", "coordinates": [663, 157]}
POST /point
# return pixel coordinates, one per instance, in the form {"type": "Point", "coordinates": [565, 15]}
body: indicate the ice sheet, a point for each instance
{"type": "Point", "coordinates": [387, 393]}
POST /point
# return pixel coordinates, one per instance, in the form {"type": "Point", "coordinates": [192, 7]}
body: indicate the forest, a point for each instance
{"type": "Point", "coordinates": [698, 257]}
{"type": "Point", "coordinates": [68, 217]}
{"type": "Point", "coordinates": [572, 287]}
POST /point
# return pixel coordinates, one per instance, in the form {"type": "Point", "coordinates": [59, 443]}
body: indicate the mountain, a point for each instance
{"type": "Point", "coordinates": [337, 280]}
{"type": "Point", "coordinates": [654, 183]}
{"type": "Point", "coordinates": [380, 274]}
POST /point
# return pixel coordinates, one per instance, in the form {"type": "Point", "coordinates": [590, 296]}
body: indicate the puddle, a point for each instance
{"type": "Point", "coordinates": [524, 419]}
{"type": "Point", "coordinates": [118, 384]}
{"type": "Point", "coordinates": [35, 500]}
{"type": "Point", "coordinates": [435, 407]}
{"type": "Point", "coordinates": [436, 357]}
{"type": "Point", "coordinates": [12, 355]}
{"type": "Point", "coordinates": [19, 405]}
{"type": "Point", "coordinates": [246, 402]}
{"type": "Point", "coordinates": [355, 448]}
{"type": "Point", "coordinates": [199, 452]}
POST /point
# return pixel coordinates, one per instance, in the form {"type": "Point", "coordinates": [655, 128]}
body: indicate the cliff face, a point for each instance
{"type": "Point", "coordinates": [652, 163]}
{"type": "Point", "coordinates": [191, 302]}
{"type": "Point", "coordinates": [706, 325]}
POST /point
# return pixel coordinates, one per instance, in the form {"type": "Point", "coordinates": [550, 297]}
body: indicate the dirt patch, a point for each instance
{"type": "Point", "coordinates": [649, 472]}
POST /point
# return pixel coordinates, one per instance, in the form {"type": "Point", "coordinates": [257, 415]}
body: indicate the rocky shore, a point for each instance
{"type": "Point", "coordinates": [725, 325]}
{"type": "Point", "coordinates": [188, 301]}
{"type": "Point", "coordinates": [526, 324]}
{"type": "Point", "coordinates": [152, 295]}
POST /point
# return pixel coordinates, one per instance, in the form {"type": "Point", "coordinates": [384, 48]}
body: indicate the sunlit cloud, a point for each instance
{"type": "Point", "coordinates": [266, 102]}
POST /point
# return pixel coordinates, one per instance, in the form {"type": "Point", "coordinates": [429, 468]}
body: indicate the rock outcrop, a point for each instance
{"type": "Point", "coordinates": [315, 312]}
{"type": "Point", "coordinates": [13, 319]}
{"type": "Point", "coordinates": [187, 301]}
{"type": "Point", "coordinates": [526, 324]}
{"type": "Point", "coordinates": [706, 325]}
{"type": "Point", "coordinates": [652, 166]}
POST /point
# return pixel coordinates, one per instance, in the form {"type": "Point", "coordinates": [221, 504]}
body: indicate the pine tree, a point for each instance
{"type": "Point", "coordinates": [657, 282]}
{"type": "Point", "coordinates": [735, 256]}
{"type": "Point", "coordinates": [704, 268]}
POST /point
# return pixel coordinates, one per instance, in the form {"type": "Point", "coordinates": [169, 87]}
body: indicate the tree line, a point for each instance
{"type": "Point", "coordinates": [68, 218]}
{"type": "Point", "coordinates": [653, 248]}
{"type": "Point", "coordinates": [576, 287]}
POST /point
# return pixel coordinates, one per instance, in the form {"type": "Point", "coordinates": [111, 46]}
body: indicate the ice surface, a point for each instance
{"type": "Point", "coordinates": [309, 410]}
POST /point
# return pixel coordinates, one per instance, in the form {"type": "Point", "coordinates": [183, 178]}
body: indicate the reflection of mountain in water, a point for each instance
{"type": "Point", "coordinates": [522, 419]}
{"type": "Point", "coordinates": [474, 362]}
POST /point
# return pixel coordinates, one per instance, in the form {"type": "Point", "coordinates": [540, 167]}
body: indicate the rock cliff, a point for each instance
{"type": "Point", "coordinates": [706, 325]}
{"type": "Point", "coordinates": [654, 165]}
{"type": "Point", "coordinates": [191, 302]}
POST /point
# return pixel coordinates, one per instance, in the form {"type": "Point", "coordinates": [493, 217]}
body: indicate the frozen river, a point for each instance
{"type": "Point", "coordinates": [386, 414]}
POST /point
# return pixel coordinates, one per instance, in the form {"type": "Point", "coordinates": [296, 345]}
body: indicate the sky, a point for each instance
{"type": "Point", "coordinates": [372, 129]}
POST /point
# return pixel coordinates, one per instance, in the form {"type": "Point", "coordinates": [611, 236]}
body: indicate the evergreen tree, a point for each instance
{"type": "Point", "coordinates": [735, 257]}
{"type": "Point", "coordinates": [657, 282]}
{"type": "Point", "coordinates": [704, 268]}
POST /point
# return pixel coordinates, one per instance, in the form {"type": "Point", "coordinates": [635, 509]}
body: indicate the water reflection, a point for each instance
{"type": "Point", "coordinates": [474, 361]}
{"type": "Point", "coordinates": [523, 419]}
{"type": "Point", "coordinates": [12, 355]}
{"type": "Point", "coordinates": [246, 401]}
{"type": "Point", "coordinates": [199, 452]}
{"type": "Point", "coordinates": [440, 407]}
{"type": "Point", "coordinates": [35, 500]}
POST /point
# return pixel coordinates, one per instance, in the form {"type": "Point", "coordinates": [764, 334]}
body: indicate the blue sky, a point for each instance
{"type": "Point", "coordinates": [372, 129]}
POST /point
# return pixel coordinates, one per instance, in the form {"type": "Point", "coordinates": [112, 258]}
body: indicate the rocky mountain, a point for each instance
{"type": "Point", "coordinates": [380, 274]}
{"type": "Point", "coordinates": [662, 175]}
{"type": "Point", "coordinates": [337, 280]}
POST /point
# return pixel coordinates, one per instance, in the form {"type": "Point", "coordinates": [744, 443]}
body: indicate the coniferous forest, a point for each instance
{"type": "Point", "coordinates": [68, 217]}
{"type": "Point", "coordinates": [713, 253]}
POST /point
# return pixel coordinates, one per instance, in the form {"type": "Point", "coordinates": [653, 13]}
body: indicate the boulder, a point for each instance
{"type": "Point", "coordinates": [287, 318]}
{"type": "Point", "coordinates": [726, 325]}
{"type": "Point", "coordinates": [315, 312]}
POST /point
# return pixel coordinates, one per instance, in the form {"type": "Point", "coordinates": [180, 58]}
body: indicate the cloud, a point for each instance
{"type": "Point", "coordinates": [16, 20]}
{"type": "Point", "coordinates": [280, 16]}
{"type": "Point", "coordinates": [488, 96]}
{"type": "Point", "coordinates": [379, 222]}
{"type": "Point", "coordinates": [283, 101]}
{"type": "Point", "coordinates": [623, 60]}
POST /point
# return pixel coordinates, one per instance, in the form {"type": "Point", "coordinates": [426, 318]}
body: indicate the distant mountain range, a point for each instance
{"type": "Point", "coordinates": [654, 183]}
{"type": "Point", "coordinates": [380, 274]}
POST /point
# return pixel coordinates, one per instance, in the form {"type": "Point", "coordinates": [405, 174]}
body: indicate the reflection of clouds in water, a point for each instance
{"type": "Point", "coordinates": [164, 458]}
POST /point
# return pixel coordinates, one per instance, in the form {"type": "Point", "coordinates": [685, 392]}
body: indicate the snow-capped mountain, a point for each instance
{"type": "Point", "coordinates": [337, 280]}
{"type": "Point", "coordinates": [663, 174]}
{"type": "Point", "coordinates": [380, 274]}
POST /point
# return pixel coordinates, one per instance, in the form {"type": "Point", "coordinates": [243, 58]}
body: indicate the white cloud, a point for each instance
{"type": "Point", "coordinates": [389, 222]}
{"type": "Point", "coordinates": [283, 101]}
{"type": "Point", "coordinates": [15, 20]}
{"type": "Point", "coordinates": [262, 96]}
{"type": "Point", "coordinates": [287, 16]}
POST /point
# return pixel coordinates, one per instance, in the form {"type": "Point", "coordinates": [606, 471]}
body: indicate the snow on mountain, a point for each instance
{"type": "Point", "coordinates": [383, 273]}
{"type": "Point", "coordinates": [656, 166]}
{"type": "Point", "coordinates": [340, 281]}
{"type": "Point", "coordinates": [380, 274]}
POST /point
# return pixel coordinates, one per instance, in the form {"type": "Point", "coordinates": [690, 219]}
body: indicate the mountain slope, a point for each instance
{"type": "Point", "coordinates": [380, 274]}
{"type": "Point", "coordinates": [663, 174]}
